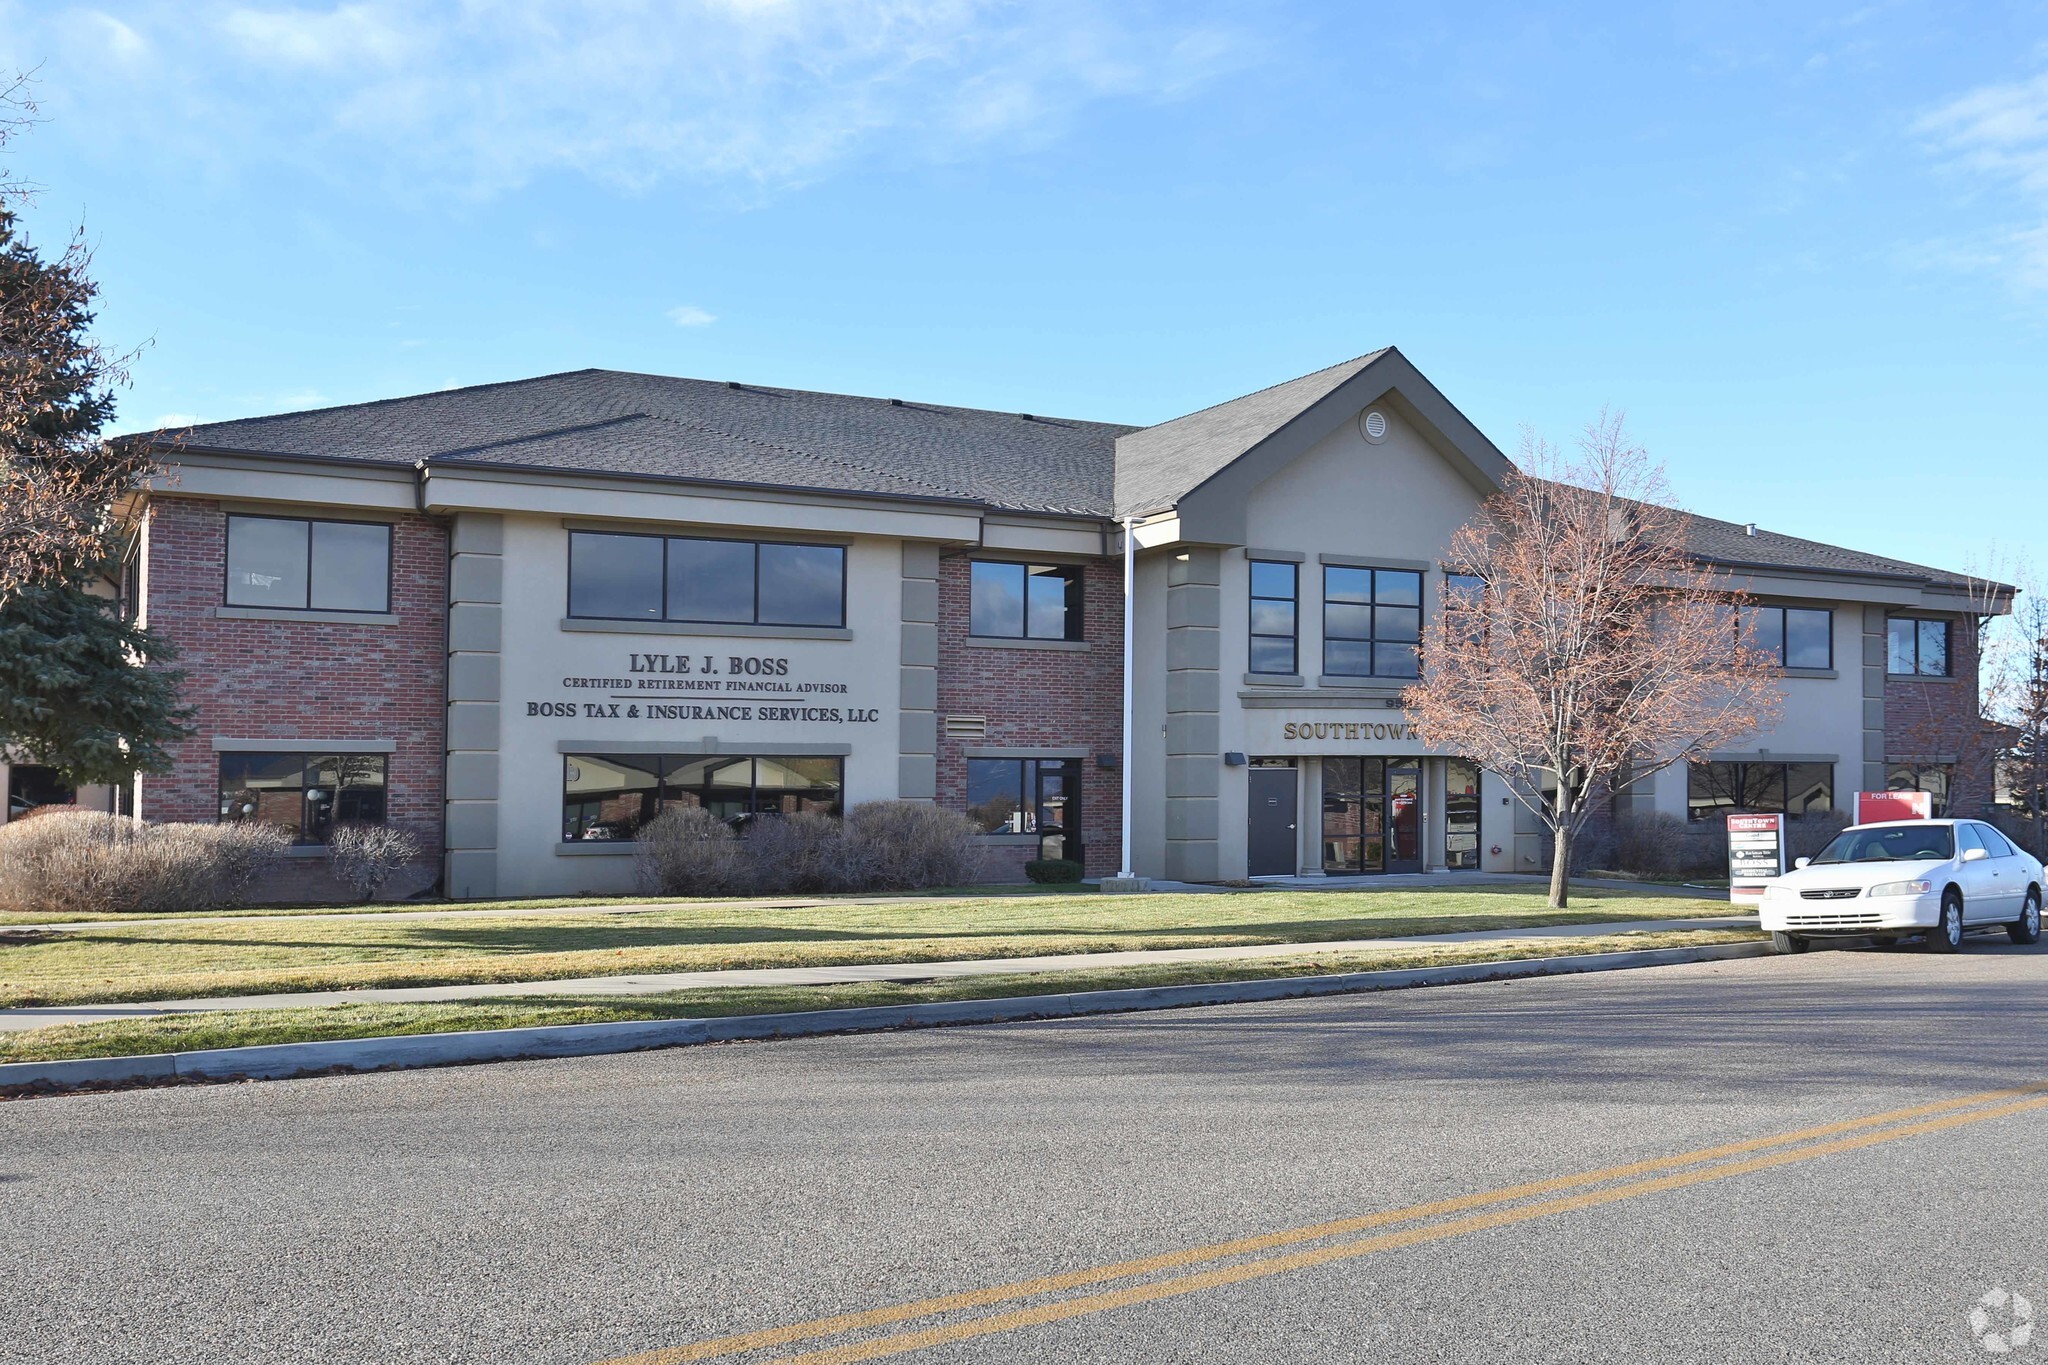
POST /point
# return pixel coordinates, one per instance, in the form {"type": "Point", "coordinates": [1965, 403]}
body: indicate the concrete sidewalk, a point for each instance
{"type": "Point", "coordinates": [15, 1020]}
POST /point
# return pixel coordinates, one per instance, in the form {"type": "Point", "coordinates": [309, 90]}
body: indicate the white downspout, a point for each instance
{"type": "Point", "coordinates": [1130, 637]}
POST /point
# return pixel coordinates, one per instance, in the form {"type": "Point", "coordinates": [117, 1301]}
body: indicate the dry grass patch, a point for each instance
{"type": "Point", "coordinates": [169, 962]}
{"type": "Point", "coordinates": [243, 1028]}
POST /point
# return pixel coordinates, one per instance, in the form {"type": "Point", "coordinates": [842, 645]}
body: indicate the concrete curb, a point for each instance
{"type": "Point", "coordinates": [286, 1060]}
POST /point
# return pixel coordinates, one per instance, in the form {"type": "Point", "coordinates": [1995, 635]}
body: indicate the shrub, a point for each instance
{"type": "Point", "coordinates": [1053, 871]}
{"type": "Point", "coordinates": [92, 863]}
{"type": "Point", "coordinates": [364, 857]}
{"type": "Point", "coordinates": [909, 845]}
{"type": "Point", "coordinates": [804, 852]}
{"type": "Point", "coordinates": [1650, 843]}
{"type": "Point", "coordinates": [688, 851]}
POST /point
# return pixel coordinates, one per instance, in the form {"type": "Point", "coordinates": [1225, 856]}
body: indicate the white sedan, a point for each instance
{"type": "Point", "coordinates": [1939, 878]}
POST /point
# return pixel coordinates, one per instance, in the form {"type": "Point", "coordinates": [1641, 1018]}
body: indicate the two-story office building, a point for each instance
{"type": "Point", "coordinates": [522, 618]}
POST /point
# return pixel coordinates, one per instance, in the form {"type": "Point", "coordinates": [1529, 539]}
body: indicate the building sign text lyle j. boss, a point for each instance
{"type": "Point", "coordinates": [706, 687]}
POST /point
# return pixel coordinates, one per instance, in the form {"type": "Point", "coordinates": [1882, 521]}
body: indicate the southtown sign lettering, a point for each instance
{"type": "Point", "coordinates": [654, 684]}
{"type": "Point", "coordinates": [1348, 729]}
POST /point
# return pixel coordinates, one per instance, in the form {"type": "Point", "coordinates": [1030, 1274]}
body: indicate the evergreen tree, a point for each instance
{"type": "Point", "coordinates": [82, 689]}
{"type": "Point", "coordinates": [77, 687]}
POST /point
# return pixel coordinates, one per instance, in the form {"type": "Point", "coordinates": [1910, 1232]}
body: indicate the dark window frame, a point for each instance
{"type": "Point", "coordinates": [227, 539]}
{"type": "Point", "coordinates": [301, 836]}
{"type": "Point", "coordinates": [1948, 647]}
{"type": "Point", "coordinates": [1784, 633]}
{"type": "Point", "coordinates": [754, 618]}
{"type": "Point", "coordinates": [1918, 773]}
{"type": "Point", "coordinates": [1373, 641]}
{"type": "Point", "coordinates": [1252, 600]}
{"type": "Point", "coordinates": [1030, 783]}
{"type": "Point", "coordinates": [1074, 622]}
{"type": "Point", "coordinates": [1743, 786]}
{"type": "Point", "coordinates": [665, 763]}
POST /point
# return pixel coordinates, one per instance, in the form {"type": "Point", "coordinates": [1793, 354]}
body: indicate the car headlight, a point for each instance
{"type": "Point", "coordinates": [1776, 891]}
{"type": "Point", "coordinates": [1913, 888]}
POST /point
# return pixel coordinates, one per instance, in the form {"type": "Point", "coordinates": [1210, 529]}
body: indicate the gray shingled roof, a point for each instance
{"type": "Point", "coordinates": [1157, 466]}
{"type": "Point", "coordinates": [606, 421]}
{"type": "Point", "coordinates": [611, 422]}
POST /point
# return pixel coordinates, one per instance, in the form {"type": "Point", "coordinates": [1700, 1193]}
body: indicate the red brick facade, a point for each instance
{"type": "Point", "coordinates": [1039, 698]}
{"type": "Point", "coordinates": [1929, 720]}
{"type": "Point", "coordinates": [301, 680]}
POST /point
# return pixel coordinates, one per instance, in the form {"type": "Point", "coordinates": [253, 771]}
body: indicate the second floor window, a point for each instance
{"type": "Point", "coordinates": [625, 577]}
{"type": "Point", "coordinates": [1917, 647]}
{"type": "Point", "coordinates": [1275, 624]}
{"type": "Point", "coordinates": [298, 564]}
{"type": "Point", "coordinates": [1372, 622]}
{"type": "Point", "coordinates": [1024, 601]}
{"type": "Point", "coordinates": [1798, 637]}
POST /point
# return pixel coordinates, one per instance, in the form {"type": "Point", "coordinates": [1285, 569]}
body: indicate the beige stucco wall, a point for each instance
{"type": "Point", "coordinates": [541, 662]}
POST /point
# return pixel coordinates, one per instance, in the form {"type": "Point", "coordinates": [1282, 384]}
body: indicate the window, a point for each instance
{"type": "Point", "coordinates": [1792, 789]}
{"type": "Point", "coordinates": [293, 564]}
{"type": "Point", "coordinates": [625, 577]}
{"type": "Point", "coordinates": [307, 795]}
{"type": "Point", "coordinates": [1024, 601]}
{"type": "Point", "coordinates": [31, 786]}
{"type": "Point", "coordinates": [1274, 623]}
{"type": "Point", "coordinates": [1372, 622]}
{"type": "Point", "coordinates": [1798, 637]}
{"type": "Point", "coordinates": [609, 796]}
{"type": "Point", "coordinates": [1465, 606]}
{"type": "Point", "coordinates": [1995, 843]}
{"type": "Point", "coordinates": [1039, 796]}
{"type": "Point", "coordinates": [1932, 778]}
{"type": "Point", "coordinates": [1915, 646]}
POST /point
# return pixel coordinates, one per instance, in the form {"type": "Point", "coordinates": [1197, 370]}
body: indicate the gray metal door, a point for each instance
{"type": "Point", "coordinates": [1271, 841]}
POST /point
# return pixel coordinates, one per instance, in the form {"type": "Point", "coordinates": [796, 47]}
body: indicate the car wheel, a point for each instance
{"type": "Point", "coordinates": [1788, 943]}
{"type": "Point", "coordinates": [1947, 934]}
{"type": "Point", "coordinates": [2027, 928]}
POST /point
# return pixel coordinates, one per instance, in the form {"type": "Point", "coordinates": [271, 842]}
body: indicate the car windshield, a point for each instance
{"type": "Point", "coordinates": [1891, 844]}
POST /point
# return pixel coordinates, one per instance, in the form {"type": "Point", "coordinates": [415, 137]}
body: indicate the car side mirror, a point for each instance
{"type": "Point", "coordinates": [1800, 862]}
{"type": "Point", "coordinates": [1975, 855]}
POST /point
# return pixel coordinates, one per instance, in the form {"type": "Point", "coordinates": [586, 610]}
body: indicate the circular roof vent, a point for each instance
{"type": "Point", "coordinates": [1373, 423]}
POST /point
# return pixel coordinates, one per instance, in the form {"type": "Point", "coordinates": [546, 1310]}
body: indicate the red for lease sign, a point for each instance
{"type": "Point", "coordinates": [1872, 807]}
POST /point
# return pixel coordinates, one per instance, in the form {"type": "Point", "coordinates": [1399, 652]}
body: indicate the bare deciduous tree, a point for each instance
{"type": "Point", "coordinates": [1598, 650]}
{"type": "Point", "coordinates": [59, 480]}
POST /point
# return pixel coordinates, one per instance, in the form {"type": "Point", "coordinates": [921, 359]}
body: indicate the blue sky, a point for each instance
{"type": "Point", "coordinates": [1804, 246]}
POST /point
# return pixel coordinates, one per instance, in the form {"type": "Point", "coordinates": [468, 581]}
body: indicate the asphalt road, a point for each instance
{"type": "Point", "coordinates": [579, 1211]}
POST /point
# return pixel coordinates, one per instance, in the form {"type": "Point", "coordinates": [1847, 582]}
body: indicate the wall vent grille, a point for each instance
{"type": "Point", "coordinates": [966, 727]}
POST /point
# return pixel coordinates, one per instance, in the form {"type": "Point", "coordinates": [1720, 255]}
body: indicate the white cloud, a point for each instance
{"type": "Point", "coordinates": [477, 98]}
{"type": "Point", "coordinates": [690, 315]}
{"type": "Point", "coordinates": [1999, 134]}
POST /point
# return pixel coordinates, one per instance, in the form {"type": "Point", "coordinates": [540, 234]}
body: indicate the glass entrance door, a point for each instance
{"type": "Point", "coordinates": [1404, 819]}
{"type": "Point", "coordinates": [1354, 815]}
{"type": "Point", "coordinates": [1461, 813]}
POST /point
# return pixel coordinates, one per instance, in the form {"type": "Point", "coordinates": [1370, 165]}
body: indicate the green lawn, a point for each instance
{"type": "Point", "coordinates": [171, 961]}
{"type": "Point", "coordinates": [132, 1037]}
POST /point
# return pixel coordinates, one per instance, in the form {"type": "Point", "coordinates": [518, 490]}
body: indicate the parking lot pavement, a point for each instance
{"type": "Point", "coordinates": [590, 1209]}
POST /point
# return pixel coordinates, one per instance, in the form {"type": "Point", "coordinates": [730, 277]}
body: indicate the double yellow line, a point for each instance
{"type": "Point", "coordinates": [1606, 1186]}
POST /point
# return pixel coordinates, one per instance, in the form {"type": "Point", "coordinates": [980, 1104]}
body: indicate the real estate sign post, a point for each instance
{"type": "Point", "coordinates": [1756, 853]}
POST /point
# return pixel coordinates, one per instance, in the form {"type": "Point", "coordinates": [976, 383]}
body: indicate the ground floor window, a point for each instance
{"type": "Point", "coordinates": [1039, 796]}
{"type": "Point", "coordinates": [30, 786]}
{"type": "Point", "coordinates": [1932, 778]}
{"type": "Point", "coordinates": [1372, 815]}
{"type": "Point", "coordinates": [609, 796]}
{"type": "Point", "coordinates": [1792, 789]}
{"type": "Point", "coordinates": [1461, 813]}
{"type": "Point", "coordinates": [307, 795]}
